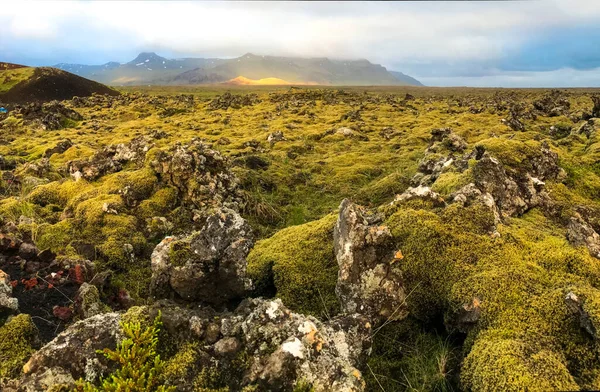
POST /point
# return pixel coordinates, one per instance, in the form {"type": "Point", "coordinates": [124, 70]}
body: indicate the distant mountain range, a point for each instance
{"type": "Point", "coordinates": [150, 68]}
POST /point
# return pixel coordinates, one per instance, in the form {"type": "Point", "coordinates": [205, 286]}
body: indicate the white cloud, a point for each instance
{"type": "Point", "coordinates": [459, 31]}
{"type": "Point", "coordinates": [385, 33]}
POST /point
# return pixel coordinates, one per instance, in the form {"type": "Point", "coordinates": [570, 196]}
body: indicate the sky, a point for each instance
{"type": "Point", "coordinates": [537, 43]}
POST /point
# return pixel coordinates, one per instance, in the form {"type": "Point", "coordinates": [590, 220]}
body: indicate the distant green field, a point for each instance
{"type": "Point", "coordinates": [211, 91]}
{"type": "Point", "coordinates": [9, 78]}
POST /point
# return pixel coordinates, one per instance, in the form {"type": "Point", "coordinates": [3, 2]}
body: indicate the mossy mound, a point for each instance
{"type": "Point", "coordinates": [18, 337]}
{"type": "Point", "coordinates": [300, 265]}
{"type": "Point", "coordinates": [519, 279]}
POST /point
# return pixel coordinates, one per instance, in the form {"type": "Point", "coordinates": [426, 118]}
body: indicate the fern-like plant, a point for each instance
{"type": "Point", "coordinates": [141, 366]}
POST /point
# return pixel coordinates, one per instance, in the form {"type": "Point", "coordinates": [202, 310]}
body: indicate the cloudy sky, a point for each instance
{"type": "Point", "coordinates": [539, 43]}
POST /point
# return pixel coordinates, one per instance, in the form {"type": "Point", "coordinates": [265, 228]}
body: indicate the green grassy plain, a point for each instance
{"type": "Point", "coordinates": [526, 339]}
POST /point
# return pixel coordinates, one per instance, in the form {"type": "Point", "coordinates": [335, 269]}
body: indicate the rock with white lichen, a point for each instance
{"type": "Point", "coordinates": [75, 349]}
{"type": "Point", "coordinates": [201, 175]}
{"type": "Point", "coordinates": [369, 279]}
{"type": "Point", "coordinates": [8, 304]}
{"type": "Point", "coordinates": [260, 344]}
{"type": "Point", "coordinates": [208, 265]}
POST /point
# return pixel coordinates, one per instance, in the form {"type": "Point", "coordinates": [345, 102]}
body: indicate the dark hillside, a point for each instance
{"type": "Point", "coordinates": [47, 84]}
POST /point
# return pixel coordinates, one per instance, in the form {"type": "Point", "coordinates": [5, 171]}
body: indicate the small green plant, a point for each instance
{"type": "Point", "coordinates": [141, 366]}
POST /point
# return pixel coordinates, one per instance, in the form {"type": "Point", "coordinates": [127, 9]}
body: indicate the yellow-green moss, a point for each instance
{"type": "Point", "coordinates": [180, 252]}
{"type": "Point", "coordinates": [17, 337]}
{"type": "Point", "coordinates": [209, 380]}
{"type": "Point", "coordinates": [383, 190]}
{"type": "Point", "coordinates": [501, 364]}
{"type": "Point", "coordinates": [138, 183]}
{"type": "Point", "coordinates": [159, 204]}
{"type": "Point", "coordinates": [55, 237]}
{"type": "Point", "coordinates": [451, 181]}
{"type": "Point", "coordinates": [135, 278]}
{"type": "Point", "coordinates": [301, 263]}
{"type": "Point", "coordinates": [178, 367]}
{"type": "Point", "coordinates": [13, 208]}
{"type": "Point", "coordinates": [436, 255]}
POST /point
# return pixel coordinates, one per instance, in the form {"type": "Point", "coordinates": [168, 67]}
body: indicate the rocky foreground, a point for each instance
{"type": "Point", "coordinates": [492, 242]}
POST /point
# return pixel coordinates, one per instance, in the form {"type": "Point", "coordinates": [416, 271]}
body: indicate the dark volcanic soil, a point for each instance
{"type": "Point", "coordinates": [40, 298]}
{"type": "Point", "coordinates": [49, 84]}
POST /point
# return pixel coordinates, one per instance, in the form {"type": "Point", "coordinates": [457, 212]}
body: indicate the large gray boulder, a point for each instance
{"type": "Point", "coordinates": [75, 349]}
{"type": "Point", "coordinates": [369, 279]}
{"type": "Point", "coordinates": [208, 265]}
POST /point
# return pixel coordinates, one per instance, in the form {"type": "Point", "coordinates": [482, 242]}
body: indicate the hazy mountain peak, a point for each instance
{"type": "Point", "coordinates": [150, 68]}
{"type": "Point", "coordinates": [148, 57]}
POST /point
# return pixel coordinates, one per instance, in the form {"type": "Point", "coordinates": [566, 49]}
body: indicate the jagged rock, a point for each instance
{"type": "Point", "coordinates": [587, 128]}
{"type": "Point", "coordinates": [387, 133]}
{"type": "Point", "coordinates": [9, 243]}
{"type": "Point", "coordinates": [208, 265]}
{"type": "Point", "coordinates": [39, 169]}
{"type": "Point", "coordinates": [201, 174]}
{"type": "Point", "coordinates": [75, 349]}
{"type": "Point", "coordinates": [455, 143]}
{"type": "Point", "coordinates": [560, 131]}
{"type": "Point", "coordinates": [432, 165]}
{"type": "Point", "coordinates": [468, 315]}
{"type": "Point", "coordinates": [514, 121]}
{"type": "Point", "coordinates": [223, 141]}
{"type": "Point", "coordinates": [61, 147]}
{"type": "Point", "coordinates": [8, 304]}
{"type": "Point", "coordinates": [516, 192]}
{"type": "Point", "coordinates": [253, 144]}
{"type": "Point", "coordinates": [110, 159]}
{"type": "Point", "coordinates": [46, 256]}
{"type": "Point", "coordinates": [429, 170]}
{"type": "Point", "coordinates": [470, 194]}
{"type": "Point", "coordinates": [580, 233]}
{"type": "Point", "coordinates": [282, 348]}
{"type": "Point", "coordinates": [352, 115]}
{"type": "Point", "coordinates": [369, 281]}
{"type": "Point", "coordinates": [439, 134]}
{"type": "Point", "coordinates": [87, 301]}
{"type": "Point", "coordinates": [596, 108]}
{"type": "Point", "coordinates": [50, 116]}
{"type": "Point", "coordinates": [553, 104]}
{"type": "Point", "coordinates": [490, 177]}
{"type": "Point", "coordinates": [575, 306]}
{"type": "Point", "coordinates": [55, 377]}
{"type": "Point", "coordinates": [275, 137]}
